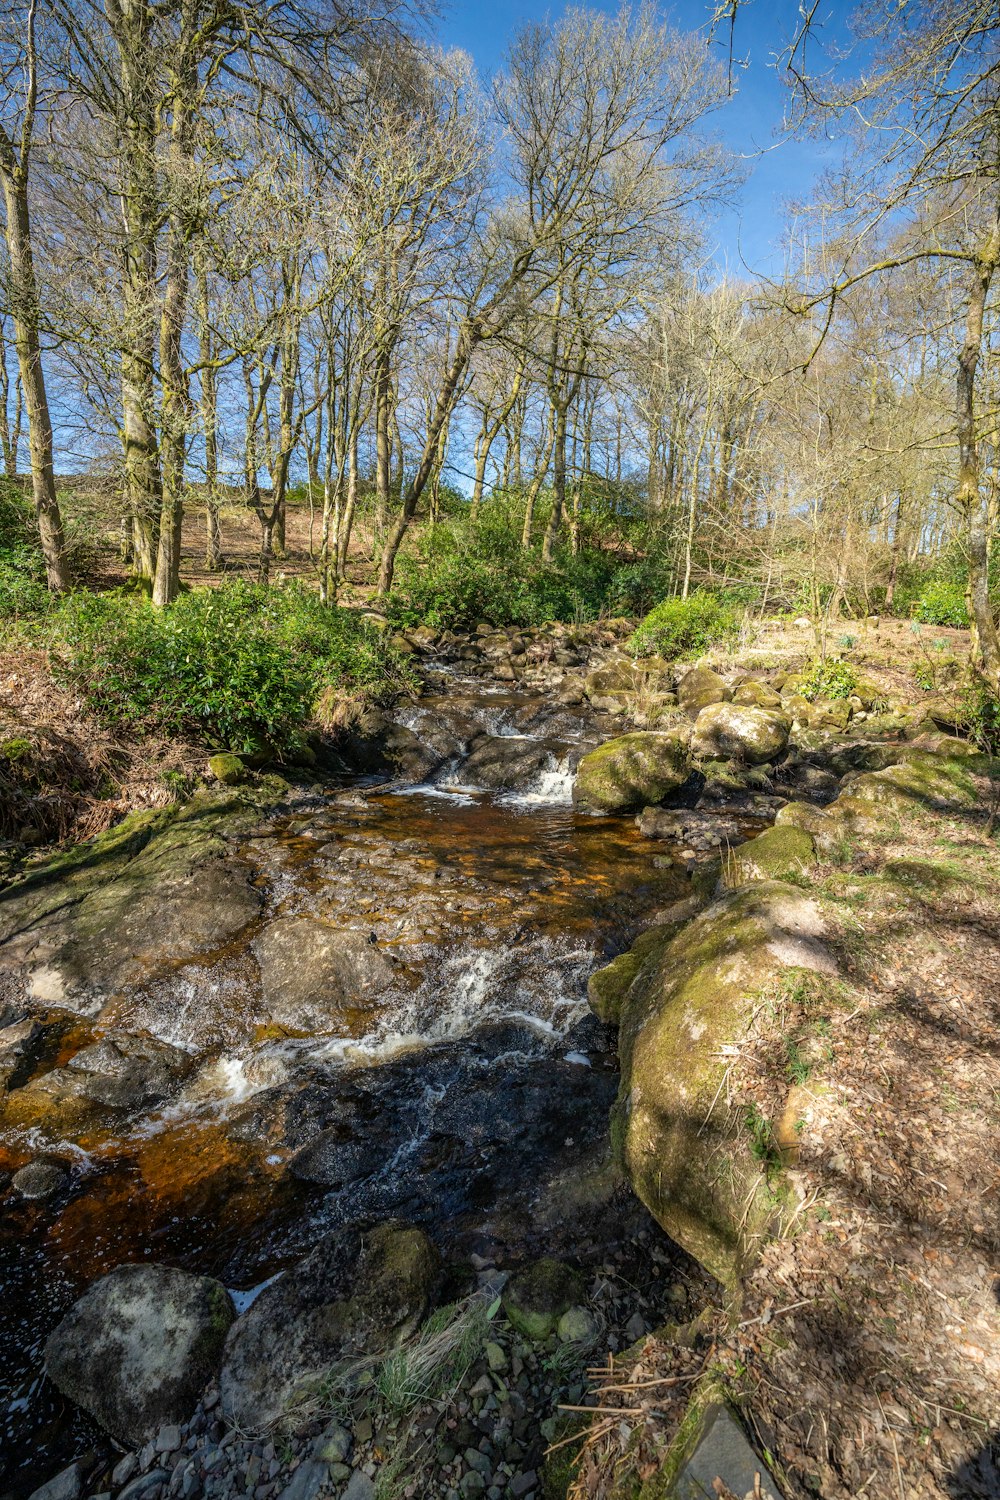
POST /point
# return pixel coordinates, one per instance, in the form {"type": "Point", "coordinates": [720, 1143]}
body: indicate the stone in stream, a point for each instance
{"type": "Point", "coordinates": [502, 763]}
{"type": "Point", "coordinates": [129, 1072]}
{"type": "Point", "coordinates": [138, 1347]}
{"type": "Point", "coordinates": [132, 905]}
{"type": "Point", "coordinates": [316, 978]}
{"type": "Point", "coordinates": [67, 1485]}
{"type": "Point", "coordinates": [355, 1294]}
{"type": "Point", "coordinates": [39, 1179]}
{"type": "Point", "coordinates": [631, 771]}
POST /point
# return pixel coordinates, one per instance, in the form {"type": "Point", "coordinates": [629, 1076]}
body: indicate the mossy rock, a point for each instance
{"type": "Point", "coordinates": [756, 695]}
{"type": "Point", "coordinates": [741, 732]}
{"type": "Point", "coordinates": [691, 1162]}
{"type": "Point", "coordinates": [633, 771]}
{"type": "Point", "coordinates": [227, 769]}
{"type": "Point", "coordinates": [699, 687]}
{"type": "Point", "coordinates": [607, 988]}
{"type": "Point", "coordinates": [775, 854]}
{"type": "Point", "coordinates": [535, 1299]}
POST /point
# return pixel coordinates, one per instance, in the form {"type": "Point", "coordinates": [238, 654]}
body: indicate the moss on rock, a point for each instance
{"type": "Point", "coordinates": [737, 731]}
{"type": "Point", "coordinates": [607, 988]}
{"type": "Point", "coordinates": [535, 1299]}
{"type": "Point", "coordinates": [699, 687]}
{"type": "Point", "coordinates": [689, 1161]}
{"type": "Point", "coordinates": [775, 854]}
{"type": "Point", "coordinates": [228, 769]}
{"type": "Point", "coordinates": [635, 770]}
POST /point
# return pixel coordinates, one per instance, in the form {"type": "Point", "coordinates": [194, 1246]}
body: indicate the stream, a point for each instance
{"type": "Point", "coordinates": [468, 1090]}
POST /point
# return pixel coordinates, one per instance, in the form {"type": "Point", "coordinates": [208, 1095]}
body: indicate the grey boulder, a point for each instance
{"type": "Point", "coordinates": [138, 1347]}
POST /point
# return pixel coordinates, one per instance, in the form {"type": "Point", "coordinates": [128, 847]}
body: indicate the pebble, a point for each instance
{"type": "Point", "coordinates": [168, 1439]}
{"type": "Point", "coordinates": [308, 1480]}
{"type": "Point", "coordinates": [144, 1485]}
{"type": "Point", "coordinates": [123, 1470]}
{"type": "Point", "coordinates": [360, 1487]}
{"type": "Point", "coordinates": [522, 1483]}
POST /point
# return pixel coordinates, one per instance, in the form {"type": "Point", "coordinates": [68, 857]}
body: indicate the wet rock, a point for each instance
{"type": "Point", "coordinates": [129, 1072]}
{"type": "Point", "coordinates": [129, 907]}
{"type": "Point", "coordinates": [39, 1179]}
{"type": "Point", "coordinates": [725, 731]}
{"type": "Point", "coordinates": [20, 1043]}
{"type": "Point", "coordinates": [354, 1294]}
{"type": "Point", "coordinates": [319, 978]}
{"type": "Point", "coordinates": [632, 771]}
{"type": "Point", "coordinates": [536, 1298]}
{"type": "Point", "coordinates": [699, 687]}
{"type": "Point", "coordinates": [138, 1347]}
{"type": "Point", "coordinates": [65, 1486]}
{"type": "Point", "coordinates": [503, 763]}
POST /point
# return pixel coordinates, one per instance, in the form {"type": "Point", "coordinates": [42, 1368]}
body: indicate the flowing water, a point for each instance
{"type": "Point", "coordinates": [469, 1095]}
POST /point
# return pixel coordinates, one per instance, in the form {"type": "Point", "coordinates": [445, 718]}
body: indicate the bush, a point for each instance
{"type": "Point", "coordinates": [684, 627]}
{"type": "Point", "coordinates": [828, 679]}
{"type": "Point", "coordinates": [241, 666]}
{"type": "Point", "coordinates": [942, 602]}
{"type": "Point", "coordinates": [22, 570]}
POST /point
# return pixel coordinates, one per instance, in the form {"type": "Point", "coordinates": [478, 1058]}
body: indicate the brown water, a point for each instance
{"type": "Point", "coordinates": [476, 1077]}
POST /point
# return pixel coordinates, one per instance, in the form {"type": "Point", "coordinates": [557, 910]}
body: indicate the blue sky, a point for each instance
{"type": "Point", "coordinates": [748, 235]}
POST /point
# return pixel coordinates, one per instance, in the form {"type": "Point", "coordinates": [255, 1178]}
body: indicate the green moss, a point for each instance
{"type": "Point", "coordinates": [227, 769]}
{"type": "Point", "coordinates": [535, 1299]}
{"type": "Point", "coordinates": [635, 770]}
{"type": "Point", "coordinates": [689, 1161]}
{"type": "Point", "coordinates": [778, 853]}
{"type": "Point", "coordinates": [607, 988]}
{"type": "Point", "coordinates": [15, 750]}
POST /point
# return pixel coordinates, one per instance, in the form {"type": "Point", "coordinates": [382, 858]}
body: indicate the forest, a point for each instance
{"type": "Point", "coordinates": [499, 750]}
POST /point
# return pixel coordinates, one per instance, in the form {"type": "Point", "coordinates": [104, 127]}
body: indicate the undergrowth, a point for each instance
{"type": "Point", "coordinates": [239, 666]}
{"type": "Point", "coordinates": [682, 627]}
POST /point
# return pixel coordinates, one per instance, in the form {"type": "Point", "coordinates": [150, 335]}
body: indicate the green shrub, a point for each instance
{"type": "Point", "coordinates": [22, 570]}
{"type": "Point", "coordinates": [980, 717]}
{"type": "Point", "coordinates": [684, 627]}
{"type": "Point", "coordinates": [240, 666]}
{"type": "Point", "coordinates": [828, 679]}
{"type": "Point", "coordinates": [942, 602]}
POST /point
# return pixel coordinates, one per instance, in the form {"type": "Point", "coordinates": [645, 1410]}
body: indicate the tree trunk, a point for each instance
{"type": "Point", "coordinates": [24, 305]}
{"type": "Point", "coordinates": [535, 487]}
{"type": "Point", "coordinates": [973, 505]}
{"type": "Point", "coordinates": [558, 483]}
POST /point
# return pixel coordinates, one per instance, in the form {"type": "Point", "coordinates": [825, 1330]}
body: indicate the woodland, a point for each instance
{"type": "Point", "coordinates": [499, 754]}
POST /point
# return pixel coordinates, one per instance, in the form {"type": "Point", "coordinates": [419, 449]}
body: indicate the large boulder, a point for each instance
{"type": "Point", "coordinates": [738, 731]}
{"type": "Point", "coordinates": [139, 1346]}
{"type": "Point", "coordinates": [127, 908]}
{"type": "Point", "coordinates": [633, 771]}
{"type": "Point", "coordinates": [699, 687]}
{"type": "Point", "coordinates": [778, 853]}
{"type": "Point", "coordinates": [318, 978]}
{"type": "Point", "coordinates": [689, 1158]}
{"type": "Point", "coordinates": [354, 1295]}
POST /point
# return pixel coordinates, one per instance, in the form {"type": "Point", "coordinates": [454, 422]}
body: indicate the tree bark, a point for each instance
{"type": "Point", "coordinates": [973, 504]}
{"type": "Point", "coordinates": [27, 342]}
